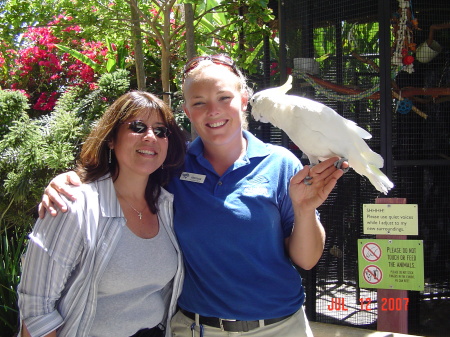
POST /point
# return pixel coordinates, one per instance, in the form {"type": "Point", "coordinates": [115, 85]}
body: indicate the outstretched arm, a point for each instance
{"type": "Point", "coordinates": [61, 184]}
{"type": "Point", "coordinates": [306, 243]}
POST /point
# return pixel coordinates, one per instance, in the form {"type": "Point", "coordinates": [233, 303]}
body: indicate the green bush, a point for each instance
{"type": "Point", "coordinates": [12, 106]}
{"type": "Point", "coordinates": [36, 149]}
{"type": "Point", "coordinates": [32, 151]}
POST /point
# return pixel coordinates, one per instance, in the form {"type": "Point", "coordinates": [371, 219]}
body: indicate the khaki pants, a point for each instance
{"type": "Point", "coordinates": [295, 326]}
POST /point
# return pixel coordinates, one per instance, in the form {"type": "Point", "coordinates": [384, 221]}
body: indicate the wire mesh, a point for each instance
{"type": "Point", "coordinates": [342, 37]}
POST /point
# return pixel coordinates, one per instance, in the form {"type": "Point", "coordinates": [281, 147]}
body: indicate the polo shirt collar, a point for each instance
{"type": "Point", "coordinates": [255, 147]}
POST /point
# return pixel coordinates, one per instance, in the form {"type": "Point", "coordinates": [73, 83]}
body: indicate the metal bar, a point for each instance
{"type": "Point", "coordinates": [385, 86]}
{"type": "Point", "coordinates": [393, 321]}
{"type": "Point", "coordinates": [283, 55]}
{"type": "Point", "coordinates": [437, 162]}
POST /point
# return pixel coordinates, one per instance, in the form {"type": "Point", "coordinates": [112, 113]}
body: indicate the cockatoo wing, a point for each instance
{"type": "Point", "coordinates": [326, 115]}
{"type": "Point", "coordinates": [319, 131]}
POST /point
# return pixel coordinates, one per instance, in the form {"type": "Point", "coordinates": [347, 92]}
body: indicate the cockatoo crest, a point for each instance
{"type": "Point", "coordinates": [264, 110]}
{"type": "Point", "coordinates": [319, 131]}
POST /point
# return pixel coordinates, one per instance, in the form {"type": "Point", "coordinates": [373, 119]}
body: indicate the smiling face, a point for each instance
{"type": "Point", "coordinates": [215, 105]}
{"type": "Point", "coordinates": [140, 153]}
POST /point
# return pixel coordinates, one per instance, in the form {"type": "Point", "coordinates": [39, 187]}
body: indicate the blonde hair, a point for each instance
{"type": "Point", "coordinates": [243, 86]}
{"type": "Point", "coordinates": [241, 82]}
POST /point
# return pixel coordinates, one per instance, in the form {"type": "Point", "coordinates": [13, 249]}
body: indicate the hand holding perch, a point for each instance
{"type": "Point", "coordinates": [310, 187]}
{"type": "Point", "coordinates": [61, 184]}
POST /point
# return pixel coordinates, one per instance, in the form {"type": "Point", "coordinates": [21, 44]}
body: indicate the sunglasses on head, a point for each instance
{"type": "Point", "coordinates": [141, 127]}
{"type": "Point", "coordinates": [220, 59]}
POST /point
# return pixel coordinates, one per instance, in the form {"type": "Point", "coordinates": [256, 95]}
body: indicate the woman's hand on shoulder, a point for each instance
{"type": "Point", "coordinates": [61, 184]}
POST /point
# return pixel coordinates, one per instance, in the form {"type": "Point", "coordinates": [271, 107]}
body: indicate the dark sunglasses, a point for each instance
{"type": "Point", "coordinates": [141, 127]}
{"type": "Point", "coordinates": [220, 59]}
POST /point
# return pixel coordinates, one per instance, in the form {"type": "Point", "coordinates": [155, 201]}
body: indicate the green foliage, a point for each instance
{"type": "Point", "coordinates": [96, 18]}
{"type": "Point", "coordinates": [79, 56]}
{"type": "Point", "coordinates": [116, 59]}
{"type": "Point", "coordinates": [12, 106]}
{"type": "Point", "coordinates": [235, 28]}
{"type": "Point", "coordinates": [110, 87]}
{"type": "Point", "coordinates": [115, 84]}
{"type": "Point", "coordinates": [36, 149]}
{"type": "Point", "coordinates": [32, 151]}
{"type": "Point", "coordinates": [116, 55]}
{"type": "Point", "coordinates": [361, 38]}
{"type": "Point", "coordinates": [18, 15]}
{"type": "Point", "coordinates": [12, 245]}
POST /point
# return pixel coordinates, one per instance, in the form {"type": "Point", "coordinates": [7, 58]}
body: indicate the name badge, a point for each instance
{"type": "Point", "coordinates": [193, 177]}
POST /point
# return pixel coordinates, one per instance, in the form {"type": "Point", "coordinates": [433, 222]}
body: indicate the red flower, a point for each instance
{"type": "Point", "coordinates": [46, 102]}
{"type": "Point", "coordinates": [43, 70]}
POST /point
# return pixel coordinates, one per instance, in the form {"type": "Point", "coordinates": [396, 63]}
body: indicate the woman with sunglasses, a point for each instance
{"type": "Point", "coordinates": [111, 266]}
{"type": "Point", "coordinates": [244, 212]}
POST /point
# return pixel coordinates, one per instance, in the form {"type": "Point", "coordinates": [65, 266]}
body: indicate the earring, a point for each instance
{"type": "Point", "coordinates": [162, 166]}
{"type": "Point", "coordinates": [110, 155]}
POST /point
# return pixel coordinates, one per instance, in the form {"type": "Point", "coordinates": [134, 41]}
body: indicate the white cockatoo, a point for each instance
{"type": "Point", "coordinates": [319, 131]}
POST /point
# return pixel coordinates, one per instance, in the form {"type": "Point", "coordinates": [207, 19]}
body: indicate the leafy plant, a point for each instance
{"type": "Point", "coordinates": [221, 27]}
{"type": "Point", "coordinates": [12, 105]}
{"type": "Point", "coordinates": [31, 152]}
{"type": "Point", "coordinates": [35, 149]}
{"type": "Point", "coordinates": [12, 246]}
{"type": "Point", "coordinates": [80, 57]}
{"type": "Point", "coordinates": [116, 60]}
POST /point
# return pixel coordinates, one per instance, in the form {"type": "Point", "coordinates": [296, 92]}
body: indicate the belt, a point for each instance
{"type": "Point", "coordinates": [232, 325]}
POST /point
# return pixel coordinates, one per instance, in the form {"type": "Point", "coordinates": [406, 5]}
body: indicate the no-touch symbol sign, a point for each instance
{"type": "Point", "coordinates": [372, 274]}
{"type": "Point", "coordinates": [371, 252]}
{"type": "Point", "coordinates": [391, 264]}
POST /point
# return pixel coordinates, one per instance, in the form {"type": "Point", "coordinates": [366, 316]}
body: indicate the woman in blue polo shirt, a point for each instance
{"type": "Point", "coordinates": [235, 220]}
{"type": "Point", "coordinates": [243, 212]}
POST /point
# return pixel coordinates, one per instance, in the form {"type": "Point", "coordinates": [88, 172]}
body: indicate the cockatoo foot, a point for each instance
{"type": "Point", "coordinates": [307, 180]}
{"type": "Point", "coordinates": [338, 164]}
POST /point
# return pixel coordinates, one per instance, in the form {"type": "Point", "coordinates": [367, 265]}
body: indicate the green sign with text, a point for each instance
{"type": "Point", "coordinates": [391, 264]}
{"type": "Point", "coordinates": [390, 219]}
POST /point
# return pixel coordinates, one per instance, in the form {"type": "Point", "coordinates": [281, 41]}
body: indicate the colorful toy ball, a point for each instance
{"type": "Point", "coordinates": [408, 59]}
{"type": "Point", "coordinates": [404, 106]}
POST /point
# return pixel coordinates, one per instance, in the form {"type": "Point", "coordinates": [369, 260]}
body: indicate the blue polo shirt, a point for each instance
{"type": "Point", "coordinates": [231, 230]}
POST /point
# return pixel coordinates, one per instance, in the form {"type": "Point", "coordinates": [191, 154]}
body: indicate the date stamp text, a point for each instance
{"type": "Point", "coordinates": [366, 304]}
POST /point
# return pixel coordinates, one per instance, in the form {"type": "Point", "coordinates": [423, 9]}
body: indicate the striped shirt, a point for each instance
{"type": "Point", "coordinates": [67, 255]}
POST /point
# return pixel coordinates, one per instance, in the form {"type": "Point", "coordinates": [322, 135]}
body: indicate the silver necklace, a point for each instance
{"type": "Point", "coordinates": [138, 213]}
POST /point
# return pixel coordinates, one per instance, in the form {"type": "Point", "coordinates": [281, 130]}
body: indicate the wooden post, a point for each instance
{"type": "Point", "coordinates": [392, 321]}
